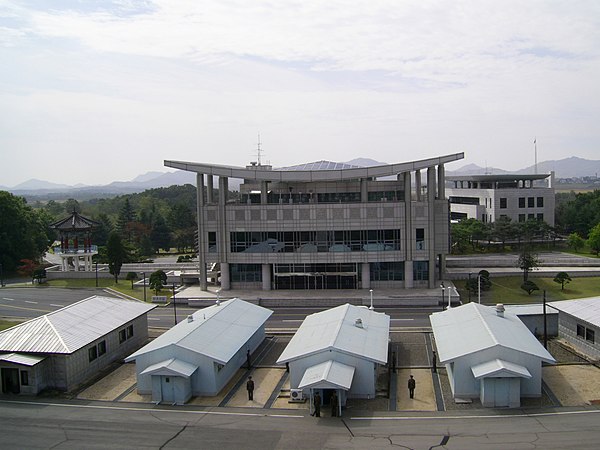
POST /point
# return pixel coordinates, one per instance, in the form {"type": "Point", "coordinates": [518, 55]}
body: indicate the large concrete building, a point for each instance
{"type": "Point", "coordinates": [489, 197]}
{"type": "Point", "coordinates": [324, 225]}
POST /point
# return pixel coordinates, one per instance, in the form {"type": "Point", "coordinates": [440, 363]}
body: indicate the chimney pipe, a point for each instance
{"type": "Point", "coordinates": [500, 310]}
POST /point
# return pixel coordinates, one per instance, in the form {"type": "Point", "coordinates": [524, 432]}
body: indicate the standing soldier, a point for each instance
{"type": "Point", "coordinates": [334, 404]}
{"type": "Point", "coordinates": [411, 386]}
{"type": "Point", "coordinates": [317, 399]}
{"type": "Point", "coordinates": [250, 388]}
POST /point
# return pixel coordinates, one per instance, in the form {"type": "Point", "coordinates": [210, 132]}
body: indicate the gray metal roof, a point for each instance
{"type": "Point", "coordinates": [260, 173]}
{"type": "Point", "coordinates": [498, 368]}
{"type": "Point", "coordinates": [529, 310]}
{"type": "Point", "coordinates": [25, 360]}
{"type": "Point", "coordinates": [336, 329]}
{"type": "Point", "coordinates": [327, 375]}
{"type": "Point", "coordinates": [171, 366]}
{"type": "Point", "coordinates": [586, 309]}
{"type": "Point", "coordinates": [217, 332]}
{"type": "Point", "coordinates": [72, 327]}
{"type": "Point", "coordinates": [320, 165]}
{"type": "Point", "coordinates": [473, 327]}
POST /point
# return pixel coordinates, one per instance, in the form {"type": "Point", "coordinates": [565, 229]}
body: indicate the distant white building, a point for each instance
{"type": "Point", "coordinates": [199, 355]}
{"type": "Point", "coordinates": [489, 354]}
{"type": "Point", "coordinates": [489, 197]}
{"type": "Point", "coordinates": [64, 348]}
{"type": "Point", "coordinates": [579, 324]}
{"type": "Point", "coordinates": [338, 350]}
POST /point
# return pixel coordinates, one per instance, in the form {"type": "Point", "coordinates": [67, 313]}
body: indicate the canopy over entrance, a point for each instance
{"type": "Point", "coordinates": [328, 375]}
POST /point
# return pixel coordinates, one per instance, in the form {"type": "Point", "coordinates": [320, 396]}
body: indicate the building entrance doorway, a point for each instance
{"type": "Point", "coordinates": [10, 381]}
{"type": "Point", "coordinates": [316, 276]}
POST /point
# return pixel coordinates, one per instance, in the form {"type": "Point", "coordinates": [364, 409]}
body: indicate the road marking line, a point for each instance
{"type": "Point", "coordinates": [292, 320]}
{"type": "Point", "coordinates": [154, 318]}
{"type": "Point", "coordinates": [59, 306]}
{"type": "Point", "coordinates": [402, 319]}
{"type": "Point", "coordinates": [153, 410]}
{"type": "Point", "coordinates": [29, 301]}
{"type": "Point", "coordinates": [9, 299]}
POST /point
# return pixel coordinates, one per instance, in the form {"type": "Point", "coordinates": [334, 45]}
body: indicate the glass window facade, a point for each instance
{"type": "Point", "coordinates": [246, 272]}
{"type": "Point", "coordinates": [387, 271]}
{"type": "Point", "coordinates": [420, 270]}
{"type": "Point", "coordinates": [315, 241]}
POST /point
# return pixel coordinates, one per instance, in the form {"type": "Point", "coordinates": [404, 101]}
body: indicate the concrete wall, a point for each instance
{"type": "Point", "coordinates": [464, 384]}
{"type": "Point", "coordinates": [567, 329]}
{"type": "Point", "coordinates": [363, 383]}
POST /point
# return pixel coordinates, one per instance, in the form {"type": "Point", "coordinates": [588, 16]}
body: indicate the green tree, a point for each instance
{"type": "Point", "coordinates": [562, 278]}
{"type": "Point", "coordinates": [72, 205]}
{"type": "Point", "coordinates": [160, 235]}
{"type": "Point", "coordinates": [131, 276]}
{"type": "Point", "coordinates": [125, 220]}
{"type": "Point", "coordinates": [529, 286]}
{"type": "Point", "coordinates": [55, 209]}
{"type": "Point", "coordinates": [39, 275]}
{"type": "Point", "coordinates": [24, 232]}
{"type": "Point", "coordinates": [575, 241]}
{"type": "Point", "coordinates": [102, 230]}
{"type": "Point", "coordinates": [527, 262]}
{"type": "Point", "coordinates": [116, 254]}
{"type": "Point", "coordinates": [157, 281]}
{"type": "Point", "coordinates": [594, 239]}
{"type": "Point", "coordinates": [503, 229]}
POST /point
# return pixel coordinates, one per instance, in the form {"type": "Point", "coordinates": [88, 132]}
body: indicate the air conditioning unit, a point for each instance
{"type": "Point", "coordinates": [296, 395]}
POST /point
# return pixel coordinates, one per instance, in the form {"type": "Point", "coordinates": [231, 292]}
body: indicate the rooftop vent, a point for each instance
{"type": "Point", "coordinates": [190, 318]}
{"type": "Point", "coordinates": [500, 310]}
{"type": "Point", "coordinates": [358, 323]}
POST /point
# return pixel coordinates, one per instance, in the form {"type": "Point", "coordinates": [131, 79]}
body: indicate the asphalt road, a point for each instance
{"type": "Point", "coordinates": [105, 425]}
{"type": "Point", "coordinates": [27, 303]}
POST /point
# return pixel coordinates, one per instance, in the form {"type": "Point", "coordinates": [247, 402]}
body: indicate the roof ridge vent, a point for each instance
{"type": "Point", "coordinates": [500, 309]}
{"type": "Point", "coordinates": [358, 323]}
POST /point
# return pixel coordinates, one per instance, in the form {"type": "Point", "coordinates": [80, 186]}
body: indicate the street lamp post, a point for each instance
{"type": "Point", "coordinates": [174, 305]}
{"type": "Point", "coordinates": [371, 292]}
{"type": "Point", "coordinates": [443, 289]}
{"type": "Point", "coordinates": [144, 282]}
{"type": "Point", "coordinates": [479, 288]}
{"type": "Point", "coordinates": [96, 273]}
{"type": "Point", "coordinates": [469, 287]}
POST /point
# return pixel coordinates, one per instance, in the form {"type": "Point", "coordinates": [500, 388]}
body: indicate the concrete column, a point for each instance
{"type": "Point", "coordinates": [210, 194]}
{"type": "Point", "coordinates": [364, 191]}
{"type": "Point", "coordinates": [431, 191]}
{"type": "Point", "coordinates": [225, 279]}
{"type": "Point", "coordinates": [418, 185]}
{"type": "Point", "coordinates": [408, 239]}
{"type": "Point", "coordinates": [201, 238]}
{"type": "Point", "coordinates": [408, 274]}
{"type": "Point", "coordinates": [222, 220]}
{"type": "Point", "coordinates": [264, 189]}
{"type": "Point", "coordinates": [366, 275]}
{"type": "Point", "coordinates": [266, 277]}
{"type": "Point", "coordinates": [441, 173]}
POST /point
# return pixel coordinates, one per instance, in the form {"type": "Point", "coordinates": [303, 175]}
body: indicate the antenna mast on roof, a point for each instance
{"type": "Point", "coordinates": [258, 151]}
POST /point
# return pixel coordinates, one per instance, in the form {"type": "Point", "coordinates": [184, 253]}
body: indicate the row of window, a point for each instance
{"type": "Point", "coordinates": [325, 197]}
{"type": "Point", "coordinates": [532, 202]}
{"type": "Point", "coordinates": [585, 333]}
{"type": "Point", "coordinates": [97, 350]}
{"type": "Point", "coordinates": [316, 241]}
{"type": "Point", "coordinates": [379, 271]}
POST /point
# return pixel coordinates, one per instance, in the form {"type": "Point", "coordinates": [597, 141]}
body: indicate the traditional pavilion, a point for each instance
{"type": "Point", "coordinates": [76, 249]}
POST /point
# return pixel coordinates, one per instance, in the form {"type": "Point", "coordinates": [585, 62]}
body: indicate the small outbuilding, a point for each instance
{"type": "Point", "coordinates": [338, 350]}
{"type": "Point", "coordinates": [489, 354]}
{"type": "Point", "coordinates": [579, 324]}
{"type": "Point", "coordinates": [65, 348]}
{"type": "Point", "coordinates": [200, 354]}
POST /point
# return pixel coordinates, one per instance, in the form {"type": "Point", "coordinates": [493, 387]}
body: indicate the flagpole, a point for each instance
{"type": "Point", "coordinates": [535, 150]}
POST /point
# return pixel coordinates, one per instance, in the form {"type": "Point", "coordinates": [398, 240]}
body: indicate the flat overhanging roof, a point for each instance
{"type": "Point", "coordinates": [256, 173]}
{"type": "Point", "coordinates": [501, 177]}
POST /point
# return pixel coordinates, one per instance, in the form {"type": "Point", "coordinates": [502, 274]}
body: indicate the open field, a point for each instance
{"type": "Point", "coordinates": [508, 290]}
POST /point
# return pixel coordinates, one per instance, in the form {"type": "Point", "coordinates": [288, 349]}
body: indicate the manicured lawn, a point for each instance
{"type": "Point", "coordinates": [122, 286]}
{"type": "Point", "coordinates": [4, 324]}
{"type": "Point", "coordinates": [508, 290]}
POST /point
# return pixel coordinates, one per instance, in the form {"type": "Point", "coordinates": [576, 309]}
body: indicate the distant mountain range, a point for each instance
{"type": "Point", "coordinates": [572, 167]}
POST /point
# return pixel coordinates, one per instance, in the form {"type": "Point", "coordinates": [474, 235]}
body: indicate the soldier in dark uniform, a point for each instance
{"type": "Point", "coordinates": [411, 386]}
{"type": "Point", "coordinates": [250, 388]}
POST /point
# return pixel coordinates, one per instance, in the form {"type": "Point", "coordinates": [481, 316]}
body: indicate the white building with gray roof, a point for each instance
{"type": "Point", "coordinates": [489, 354]}
{"type": "Point", "coordinates": [62, 349]}
{"type": "Point", "coordinates": [579, 324]}
{"type": "Point", "coordinates": [200, 354]}
{"type": "Point", "coordinates": [338, 350]}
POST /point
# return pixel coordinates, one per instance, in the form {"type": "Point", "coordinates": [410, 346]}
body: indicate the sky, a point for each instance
{"type": "Point", "coordinates": [97, 91]}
